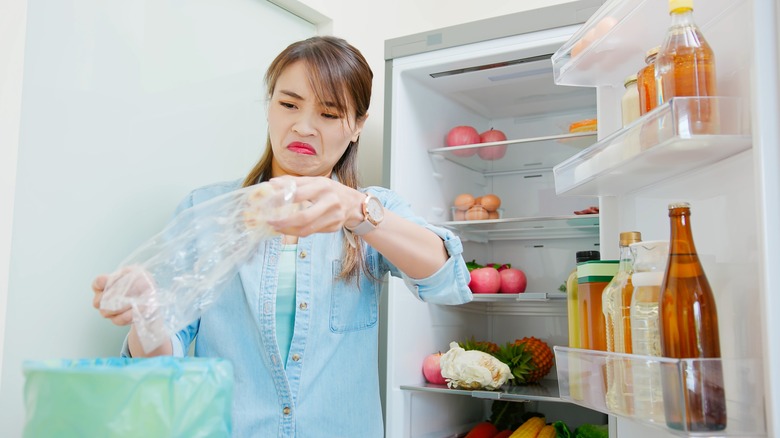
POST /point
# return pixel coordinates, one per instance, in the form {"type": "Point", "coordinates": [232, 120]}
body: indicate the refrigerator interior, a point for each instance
{"type": "Point", "coordinates": [505, 84]}
{"type": "Point", "coordinates": [542, 181]}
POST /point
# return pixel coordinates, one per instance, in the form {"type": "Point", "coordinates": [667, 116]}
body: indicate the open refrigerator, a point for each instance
{"type": "Point", "coordinates": [517, 74]}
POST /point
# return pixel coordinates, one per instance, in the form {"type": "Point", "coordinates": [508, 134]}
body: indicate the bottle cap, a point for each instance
{"type": "Point", "coordinates": [584, 256]}
{"type": "Point", "coordinates": [651, 54]}
{"type": "Point", "coordinates": [674, 205]}
{"type": "Point", "coordinates": [629, 237]}
{"type": "Point", "coordinates": [680, 5]}
{"type": "Point", "coordinates": [629, 80]}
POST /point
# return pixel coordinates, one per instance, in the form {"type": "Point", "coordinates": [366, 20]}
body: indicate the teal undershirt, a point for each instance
{"type": "Point", "coordinates": [285, 300]}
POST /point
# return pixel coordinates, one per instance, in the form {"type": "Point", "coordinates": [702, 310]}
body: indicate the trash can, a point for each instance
{"type": "Point", "coordinates": [123, 397]}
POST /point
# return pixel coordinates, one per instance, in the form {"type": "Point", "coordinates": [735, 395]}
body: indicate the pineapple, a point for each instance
{"type": "Point", "coordinates": [530, 359]}
{"type": "Point", "coordinates": [485, 346]}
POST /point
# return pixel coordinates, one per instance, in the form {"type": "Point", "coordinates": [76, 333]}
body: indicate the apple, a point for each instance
{"type": "Point", "coordinates": [513, 281]}
{"type": "Point", "coordinates": [492, 152]}
{"type": "Point", "coordinates": [463, 135]}
{"type": "Point", "coordinates": [432, 369]}
{"type": "Point", "coordinates": [485, 281]}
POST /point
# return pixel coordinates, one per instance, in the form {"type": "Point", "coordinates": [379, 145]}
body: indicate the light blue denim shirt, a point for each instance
{"type": "Point", "coordinates": [330, 387]}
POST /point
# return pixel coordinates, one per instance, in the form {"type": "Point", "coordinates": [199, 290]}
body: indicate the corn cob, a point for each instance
{"type": "Point", "coordinates": [547, 432]}
{"type": "Point", "coordinates": [529, 429]}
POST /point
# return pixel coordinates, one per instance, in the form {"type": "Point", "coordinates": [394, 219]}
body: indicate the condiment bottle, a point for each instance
{"type": "Point", "coordinates": [685, 66]}
{"type": "Point", "coordinates": [645, 83]}
{"type": "Point", "coordinates": [694, 397]}
{"type": "Point", "coordinates": [592, 277]}
{"type": "Point", "coordinates": [571, 298]}
{"type": "Point", "coordinates": [629, 103]}
{"type": "Point", "coordinates": [649, 265]}
{"type": "Point", "coordinates": [616, 302]}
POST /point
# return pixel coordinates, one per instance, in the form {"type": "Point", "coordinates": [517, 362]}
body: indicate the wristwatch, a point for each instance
{"type": "Point", "coordinates": [373, 213]}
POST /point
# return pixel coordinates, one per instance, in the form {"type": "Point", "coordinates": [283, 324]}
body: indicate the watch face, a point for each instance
{"type": "Point", "coordinates": [375, 212]}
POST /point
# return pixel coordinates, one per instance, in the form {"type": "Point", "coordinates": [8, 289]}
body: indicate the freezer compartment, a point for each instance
{"type": "Point", "coordinates": [667, 393]}
{"type": "Point", "coordinates": [661, 144]}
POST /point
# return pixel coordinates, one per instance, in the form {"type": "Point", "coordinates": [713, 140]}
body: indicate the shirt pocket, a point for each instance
{"type": "Point", "coordinates": [353, 309]}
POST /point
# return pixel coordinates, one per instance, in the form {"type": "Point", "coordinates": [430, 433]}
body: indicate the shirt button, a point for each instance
{"type": "Point", "coordinates": [296, 357]}
{"type": "Point", "coordinates": [304, 306]}
{"type": "Point", "coordinates": [302, 254]}
{"type": "Point", "coordinates": [286, 410]}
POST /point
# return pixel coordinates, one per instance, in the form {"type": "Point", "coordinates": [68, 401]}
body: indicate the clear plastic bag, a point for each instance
{"type": "Point", "coordinates": [179, 272]}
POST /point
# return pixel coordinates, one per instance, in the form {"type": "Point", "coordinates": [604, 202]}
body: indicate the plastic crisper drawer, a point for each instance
{"type": "Point", "coordinates": [667, 393]}
{"type": "Point", "coordinates": [663, 143]}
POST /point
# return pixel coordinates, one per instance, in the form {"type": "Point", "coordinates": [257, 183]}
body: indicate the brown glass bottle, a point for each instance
{"type": "Point", "coordinates": [689, 330]}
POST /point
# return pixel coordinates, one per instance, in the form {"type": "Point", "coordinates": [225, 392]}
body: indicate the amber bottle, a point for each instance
{"type": "Point", "coordinates": [694, 397]}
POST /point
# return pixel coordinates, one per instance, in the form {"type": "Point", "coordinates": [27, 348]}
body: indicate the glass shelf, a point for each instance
{"type": "Point", "coordinates": [525, 304]}
{"type": "Point", "coordinates": [522, 155]}
{"type": "Point", "coordinates": [612, 43]}
{"type": "Point", "coordinates": [525, 296]}
{"type": "Point", "coordinates": [545, 390]}
{"type": "Point", "coordinates": [661, 144]}
{"type": "Point", "coordinates": [674, 385]}
{"type": "Point", "coordinates": [530, 228]}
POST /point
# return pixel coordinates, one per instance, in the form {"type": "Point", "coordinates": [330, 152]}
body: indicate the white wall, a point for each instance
{"type": "Point", "coordinates": [125, 106]}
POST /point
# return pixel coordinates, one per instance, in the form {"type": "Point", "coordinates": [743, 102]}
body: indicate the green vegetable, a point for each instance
{"type": "Point", "coordinates": [562, 430]}
{"type": "Point", "coordinates": [507, 414]}
{"type": "Point", "coordinates": [562, 287]}
{"type": "Point", "coordinates": [591, 431]}
{"type": "Point", "coordinates": [472, 265]}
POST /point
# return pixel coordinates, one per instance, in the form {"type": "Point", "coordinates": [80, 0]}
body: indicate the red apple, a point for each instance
{"type": "Point", "coordinates": [432, 369]}
{"type": "Point", "coordinates": [513, 281]}
{"type": "Point", "coordinates": [492, 152]}
{"type": "Point", "coordinates": [460, 136]}
{"type": "Point", "coordinates": [485, 281]}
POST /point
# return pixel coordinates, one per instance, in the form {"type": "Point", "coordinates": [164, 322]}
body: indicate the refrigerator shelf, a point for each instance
{"type": "Point", "coordinates": [522, 155]}
{"type": "Point", "coordinates": [525, 296]}
{"type": "Point", "coordinates": [582, 376]}
{"type": "Point", "coordinates": [545, 390]}
{"type": "Point", "coordinates": [657, 146]}
{"type": "Point", "coordinates": [528, 228]}
{"type": "Point", "coordinates": [612, 43]}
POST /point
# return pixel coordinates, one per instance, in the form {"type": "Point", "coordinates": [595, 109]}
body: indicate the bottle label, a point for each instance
{"type": "Point", "coordinates": [597, 271]}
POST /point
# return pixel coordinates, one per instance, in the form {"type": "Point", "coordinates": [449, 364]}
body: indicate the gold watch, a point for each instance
{"type": "Point", "coordinates": [373, 213]}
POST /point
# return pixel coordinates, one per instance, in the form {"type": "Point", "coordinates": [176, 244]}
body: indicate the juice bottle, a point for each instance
{"type": "Point", "coordinates": [616, 301]}
{"type": "Point", "coordinates": [685, 66]}
{"type": "Point", "coordinates": [649, 265]}
{"type": "Point", "coordinates": [645, 83]}
{"type": "Point", "coordinates": [571, 298]}
{"type": "Point", "coordinates": [592, 277]}
{"type": "Point", "coordinates": [694, 399]}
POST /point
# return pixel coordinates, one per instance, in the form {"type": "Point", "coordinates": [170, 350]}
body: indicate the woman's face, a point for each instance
{"type": "Point", "coordinates": [307, 137]}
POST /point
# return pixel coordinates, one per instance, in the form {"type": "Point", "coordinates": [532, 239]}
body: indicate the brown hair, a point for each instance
{"type": "Point", "coordinates": [338, 73]}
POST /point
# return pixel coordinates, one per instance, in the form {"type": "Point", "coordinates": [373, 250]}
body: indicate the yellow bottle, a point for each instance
{"type": "Point", "coordinates": [571, 298]}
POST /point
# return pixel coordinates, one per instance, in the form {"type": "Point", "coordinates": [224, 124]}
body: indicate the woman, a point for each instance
{"type": "Point", "coordinates": [300, 322]}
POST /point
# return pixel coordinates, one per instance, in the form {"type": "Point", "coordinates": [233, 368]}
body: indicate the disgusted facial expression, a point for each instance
{"type": "Point", "coordinates": [308, 137]}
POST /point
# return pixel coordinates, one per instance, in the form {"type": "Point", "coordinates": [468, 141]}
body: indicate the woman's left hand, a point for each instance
{"type": "Point", "coordinates": [328, 206]}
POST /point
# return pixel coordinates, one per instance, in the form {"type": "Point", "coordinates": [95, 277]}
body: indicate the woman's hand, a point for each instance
{"type": "Point", "coordinates": [328, 206]}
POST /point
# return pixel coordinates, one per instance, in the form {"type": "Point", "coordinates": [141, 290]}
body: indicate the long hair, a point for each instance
{"type": "Point", "coordinates": [338, 73]}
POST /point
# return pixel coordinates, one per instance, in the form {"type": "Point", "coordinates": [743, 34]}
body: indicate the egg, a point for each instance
{"type": "Point", "coordinates": [604, 26]}
{"type": "Point", "coordinates": [458, 215]}
{"type": "Point", "coordinates": [493, 215]}
{"type": "Point", "coordinates": [464, 201]}
{"type": "Point", "coordinates": [490, 202]}
{"type": "Point", "coordinates": [476, 213]}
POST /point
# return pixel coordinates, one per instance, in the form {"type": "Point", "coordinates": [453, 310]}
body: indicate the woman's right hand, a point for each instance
{"type": "Point", "coordinates": [120, 317]}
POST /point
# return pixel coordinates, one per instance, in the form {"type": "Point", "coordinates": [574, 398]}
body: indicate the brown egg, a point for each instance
{"type": "Point", "coordinates": [490, 202]}
{"type": "Point", "coordinates": [493, 215]}
{"type": "Point", "coordinates": [476, 213]}
{"type": "Point", "coordinates": [464, 201]}
{"type": "Point", "coordinates": [478, 200]}
{"type": "Point", "coordinates": [458, 215]}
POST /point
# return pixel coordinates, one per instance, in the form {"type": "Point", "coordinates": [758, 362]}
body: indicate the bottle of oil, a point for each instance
{"type": "Point", "coordinates": [616, 302]}
{"type": "Point", "coordinates": [649, 265]}
{"type": "Point", "coordinates": [694, 400]}
{"type": "Point", "coordinates": [685, 66]}
{"type": "Point", "coordinates": [571, 298]}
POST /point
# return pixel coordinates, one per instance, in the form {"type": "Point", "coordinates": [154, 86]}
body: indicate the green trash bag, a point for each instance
{"type": "Point", "coordinates": [121, 397]}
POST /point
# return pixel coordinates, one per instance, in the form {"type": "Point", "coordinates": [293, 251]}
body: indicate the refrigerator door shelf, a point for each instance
{"type": "Point", "coordinates": [659, 145]}
{"type": "Point", "coordinates": [528, 228]}
{"type": "Point", "coordinates": [522, 155]}
{"type": "Point", "coordinates": [545, 390]}
{"type": "Point", "coordinates": [612, 43]}
{"type": "Point", "coordinates": [582, 377]}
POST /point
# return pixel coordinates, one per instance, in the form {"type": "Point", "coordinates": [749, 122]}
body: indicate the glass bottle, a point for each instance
{"type": "Point", "coordinates": [689, 330]}
{"type": "Point", "coordinates": [685, 66]}
{"type": "Point", "coordinates": [571, 298]}
{"type": "Point", "coordinates": [616, 301]}
{"type": "Point", "coordinates": [645, 83]}
{"type": "Point", "coordinates": [649, 265]}
{"type": "Point", "coordinates": [592, 277]}
{"type": "Point", "coordinates": [629, 103]}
